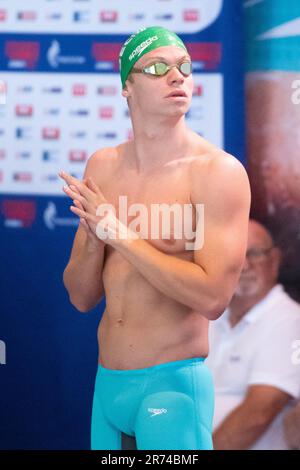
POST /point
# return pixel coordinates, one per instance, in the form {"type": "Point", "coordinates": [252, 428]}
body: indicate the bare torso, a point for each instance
{"type": "Point", "coordinates": [141, 326]}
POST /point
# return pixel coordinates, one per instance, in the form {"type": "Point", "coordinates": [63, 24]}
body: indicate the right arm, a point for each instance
{"type": "Point", "coordinates": [246, 423]}
{"type": "Point", "coordinates": [83, 274]}
{"type": "Point", "coordinates": [291, 427]}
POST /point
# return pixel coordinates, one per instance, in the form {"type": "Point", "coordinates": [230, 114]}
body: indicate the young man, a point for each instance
{"type": "Point", "coordinates": [152, 382]}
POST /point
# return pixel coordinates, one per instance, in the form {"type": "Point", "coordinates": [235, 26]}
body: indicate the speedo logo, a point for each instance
{"type": "Point", "coordinates": [157, 411]}
{"type": "Point", "coordinates": [141, 47]}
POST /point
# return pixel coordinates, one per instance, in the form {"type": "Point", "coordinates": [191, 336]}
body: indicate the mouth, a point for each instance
{"type": "Point", "coordinates": [177, 94]}
{"type": "Point", "coordinates": [247, 278]}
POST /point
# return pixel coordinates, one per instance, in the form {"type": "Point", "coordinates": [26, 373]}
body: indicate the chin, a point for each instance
{"type": "Point", "coordinates": [246, 290]}
{"type": "Point", "coordinates": [178, 112]}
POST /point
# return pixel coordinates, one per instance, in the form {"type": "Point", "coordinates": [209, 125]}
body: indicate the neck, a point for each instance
{"type": "Point", "coordinates": [158, 140]}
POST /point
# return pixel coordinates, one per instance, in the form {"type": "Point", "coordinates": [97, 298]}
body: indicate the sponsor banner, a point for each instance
{"type": "Point", "coordinates": [188, 17]}
{"type": "Point", "coordinates": [65, 122]}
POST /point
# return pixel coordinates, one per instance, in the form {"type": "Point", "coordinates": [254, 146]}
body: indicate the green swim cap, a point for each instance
{"type": "Point", "coordinates": [142, 42]}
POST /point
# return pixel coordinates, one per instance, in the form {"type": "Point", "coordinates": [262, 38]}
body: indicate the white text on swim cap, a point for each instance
{"type": "Point", "coordinates": [141, 47]}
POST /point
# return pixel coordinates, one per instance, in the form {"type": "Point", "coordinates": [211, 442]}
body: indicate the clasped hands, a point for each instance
{"type": "Point", "coordinates": [96, 215]}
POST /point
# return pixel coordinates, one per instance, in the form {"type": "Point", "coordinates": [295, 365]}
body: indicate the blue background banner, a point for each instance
{"type": "Point", "coordinates": [48, 373]}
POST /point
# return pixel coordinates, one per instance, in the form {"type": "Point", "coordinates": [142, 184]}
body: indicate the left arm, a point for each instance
{"type": "Point", "coordinates": [207, 284]}
{"type": "Point", "coordinates": [246, 423]}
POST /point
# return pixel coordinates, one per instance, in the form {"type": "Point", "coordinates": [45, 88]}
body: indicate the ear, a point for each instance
{"type": "Point", "coordinates": [277, 257]}
{"type": "Point", "coordinates": [125, 92]}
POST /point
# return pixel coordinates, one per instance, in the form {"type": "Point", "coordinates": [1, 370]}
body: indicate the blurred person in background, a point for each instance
{"type": "Point", "coordinates": [251, 349]}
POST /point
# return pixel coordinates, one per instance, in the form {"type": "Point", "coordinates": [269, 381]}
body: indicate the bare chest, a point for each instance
{"type": "Point", "coordinates": [157, 208]}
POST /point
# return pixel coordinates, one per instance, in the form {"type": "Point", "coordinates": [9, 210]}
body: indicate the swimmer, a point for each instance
{"type": "Point", "coordinates": [152, 382]}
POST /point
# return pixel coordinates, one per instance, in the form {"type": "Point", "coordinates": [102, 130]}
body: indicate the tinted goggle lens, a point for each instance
{"type": "Point", "coordinates": [186, 68]}
{"type": "Point", "coordinates": [160, 68]}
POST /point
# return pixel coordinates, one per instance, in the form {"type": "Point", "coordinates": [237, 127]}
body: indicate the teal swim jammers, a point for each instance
{"type": "Point", "coordinates": [165, 407]}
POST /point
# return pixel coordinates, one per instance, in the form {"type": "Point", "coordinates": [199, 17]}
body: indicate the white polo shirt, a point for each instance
{"type": "Point", "coordinates": [257, 350]}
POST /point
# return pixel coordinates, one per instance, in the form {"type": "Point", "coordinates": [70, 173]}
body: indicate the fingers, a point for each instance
{"type": "Point", "coordinates": [73, 192]}
{"type": "Point", "coordinates": [82, 221]}
{"type": "Point", "coordinates": [78, 204]}
{"type": "Point", "coordinates": [84, 215]}
{"type": "Point", "coordinates": [74, 188]}
{"type": "Point", "coordinates": [92, 185]}
{"type": "Point", "coordinates": [86, 188]}
{"type": "Point", "coordinates": [75, 195]}
{"type": "Point", "coordinates": [85, 225]}
{"type": "Point", "coordinates": [72, 181]}
{"type": "Point", "coordinates": [81, 213]}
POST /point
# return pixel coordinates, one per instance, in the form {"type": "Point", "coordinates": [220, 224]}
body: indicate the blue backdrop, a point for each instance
{"type": "Point", "coordinates": [51, 349]}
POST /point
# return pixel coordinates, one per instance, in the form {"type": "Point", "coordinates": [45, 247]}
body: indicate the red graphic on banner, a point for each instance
{"type": "Point", "coordinates": [27, 15]}
{"type": "Point", "coordinates": [79, 89]}
{"type": "Point", "coordinates": [77, 156]}
{"type": "Point", "coordinates": [106, 112]}
{"type": "Point", "coordinates": [19, 210]}
{"type": "Point", "coordinates": [108, 16]}
{"type": "Point", "coordinates": [190, 15]}
{"type": "Point", "coordinates": [107, 52]}
{"type": "Point", "coordinates": [51, 133]}
{"type": "Point", "coordinates": [2, 15]}
{"type": "Point", "coordinates": [27, 51]}
{"type": "Point", "coordinates": [24, 110]}
{"type": "Point", "coordinates": [22, 176]}
{"type": "Point", "coordinates": [198, 90]}
{"type": "Point", "coordinates": [107, 90]}
{"type": "Point", "coordinates": [210, 53]}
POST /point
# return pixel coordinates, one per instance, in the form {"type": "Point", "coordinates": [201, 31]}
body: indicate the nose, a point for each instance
{"type": "Point", "coordinates": [175, 76]}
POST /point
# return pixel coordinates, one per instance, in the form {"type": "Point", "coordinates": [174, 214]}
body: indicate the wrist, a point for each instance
{"type": "Point", "coordinates": [124, 242]}
{"type": "Point", "coordinates": [113, 232]}
{"type": "Point", "coordinates": [93, 243]}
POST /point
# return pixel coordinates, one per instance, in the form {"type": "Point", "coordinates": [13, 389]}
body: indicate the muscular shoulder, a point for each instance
{"type": "Point", "coordinates": [211, 161]}
{"type": "Point", "coordinates": [219, 179]}
{"type": "Point", "coordinates": [102, 163]}
{"type": "Point", "coordinates": [228, 174]}
{"type": "Point", "coordinates": [103, 156]}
